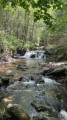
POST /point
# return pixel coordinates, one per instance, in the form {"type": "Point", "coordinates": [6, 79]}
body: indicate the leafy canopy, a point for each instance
{"type": "Point", "coordinates": [42, 7]}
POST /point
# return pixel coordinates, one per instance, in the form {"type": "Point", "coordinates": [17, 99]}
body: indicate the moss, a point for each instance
{"type": "Point", "coordinates": [60, 52]}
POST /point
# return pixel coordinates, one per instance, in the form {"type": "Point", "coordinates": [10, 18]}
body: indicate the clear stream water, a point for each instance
{"type": "Point", "coordinates": [29, 89]}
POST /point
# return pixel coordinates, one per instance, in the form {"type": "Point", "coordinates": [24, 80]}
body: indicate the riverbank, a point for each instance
{"type": "Point", "coordinates": [56, 53]}
{"type": "Point", "coordinates": [57, 71]}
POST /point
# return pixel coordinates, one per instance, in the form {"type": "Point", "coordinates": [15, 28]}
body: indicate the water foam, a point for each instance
{"type": "Point", "coordinates": [29, 83]}
{"type": "Point", "coordinates": [63, 115]}
{"type": "Point", "coordinates": [36, 54]}
{"type": "Point", "coordinates": [48, 80]}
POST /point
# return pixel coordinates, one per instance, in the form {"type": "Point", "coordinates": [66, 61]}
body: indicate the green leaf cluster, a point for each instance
{"type": "Point", "coordinates": [42, 7]}
{"type": "Point", "coordinates": [11, 41]}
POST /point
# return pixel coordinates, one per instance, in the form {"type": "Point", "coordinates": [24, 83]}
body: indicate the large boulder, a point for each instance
{"type": "Point", "coordinates": [16, 112]}
{"type": "Point", "coordinates": [5, 81]}
{"type": "Point", "coordinates": [60, 71]}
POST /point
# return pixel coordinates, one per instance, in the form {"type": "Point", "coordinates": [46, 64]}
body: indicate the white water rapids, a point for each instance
{"type": "Point", "coordinates": [63, 115]}
{"type": "Point", "coordinates": [49, 81]}
{"type": "Point", "coordinates": [34, 54]}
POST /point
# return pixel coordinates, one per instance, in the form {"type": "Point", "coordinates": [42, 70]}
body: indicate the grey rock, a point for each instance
{"type": "Point", "coordinates": [41, 107]}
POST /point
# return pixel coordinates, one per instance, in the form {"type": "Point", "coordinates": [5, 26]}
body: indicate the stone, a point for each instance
{"type": "Point", "coordinates": [41, 107]}
{"type": "Point", "coordinates": [0, 83]}
{"type": "Point", "coordinates": [5, 81]}
{"type": "Point", "coordinates": [20, 79]}
{"type": "Point", "coordinates": [6, 100]}
{"type": "Point", "coordinates": [1, 118]}
{"type": "Point", "coordinates": [16, 112]}
{"type": "Point", "coordinates": [46, 118]}
{"type": "Point", "coordinates": [38, 79]}
{"type": "Point", "coordinates": [59, 71]}
{"type": "Point", "coordinates": [49, 118]}
{"type": "Point", "coordinates": [47, 70]}
{"type": "Point", "coordinates": [21, 51]}
{"type": "Point", "coordinates": [32, 56]}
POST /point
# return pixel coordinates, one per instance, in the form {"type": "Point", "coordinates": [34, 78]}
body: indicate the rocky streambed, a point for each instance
{"type": "Point", "coordinates": [32, 89]}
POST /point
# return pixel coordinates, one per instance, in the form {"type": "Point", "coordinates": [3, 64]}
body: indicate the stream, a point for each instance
{"type": "Point", "coordinates": [40, 96]}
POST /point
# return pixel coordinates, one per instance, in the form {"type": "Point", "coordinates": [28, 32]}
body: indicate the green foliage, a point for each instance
{"type": "Point", "coordinates": [9, 40]}
{"type": "Point", "coordinates": [17, 22]}
{"type": "Point", "coordinates": [57, 34]}
{"type": "Point", "coordinates": [41, 6]}
{"type": "Point", "coordinates": [29, 45]}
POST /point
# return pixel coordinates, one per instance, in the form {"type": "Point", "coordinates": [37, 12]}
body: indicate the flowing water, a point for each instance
{"type": "Point", "coordinates": [29, 88]}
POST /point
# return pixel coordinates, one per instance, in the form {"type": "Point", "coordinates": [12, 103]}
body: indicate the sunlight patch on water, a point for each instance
{"type": "Point", "coordinates": [63, 115]}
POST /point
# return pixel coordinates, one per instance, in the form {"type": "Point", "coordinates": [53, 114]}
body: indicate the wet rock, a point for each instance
{"type": "Point", "coordinates": [21, 51]}
{"type": "Point", "coordinates": [19, 79]}
{"type": "Point", "coordinates": [9, 75]}
{"type": "Point", "coordinates": [38, 79]}
{"type": "Point", "coordinates": [3, 59]}
{"type": "Point", "coordinates": [1, 117]}
{"type": "Point", "coordinates": [51, 118]}
{"type": "Point", "coordinates": [31, 77]}
{"type": "Point", "coordinates": [32, 56]}
{"type": "Point", "coordinates": [16, 112]}
{"type": "Point", "coordinates": [60, 71]}
{"type": "Point", "coordinates": [46, 118]}
{"type": "Point", "coordinates": [23, 68]}
{"type": "Point", "coordinates": [47, 70]}
{"type": "Point", "coordinates": [1, 97]}
{"type": "Point", "coordinates": [55, 69]}
{"type": "Point", "coordinates": [5, 81]}
{"type": "Point", "coordinates": [59, 96]}
{"type": "Point", "coordinates": [0, 83]}
{"type": "Point", "coordinates": [41, 107]}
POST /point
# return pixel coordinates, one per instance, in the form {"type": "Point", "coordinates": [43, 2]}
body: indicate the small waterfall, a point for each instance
{"type": "Point", "coordinates": [35, 54]}
{"type": "Point", "coordinates": [28, 54]}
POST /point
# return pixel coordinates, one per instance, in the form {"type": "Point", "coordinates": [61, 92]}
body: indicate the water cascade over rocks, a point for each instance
{"type": "Point", "coordinates": [34, 54]}
{"type": "Point", "coordinates": [38, 96]}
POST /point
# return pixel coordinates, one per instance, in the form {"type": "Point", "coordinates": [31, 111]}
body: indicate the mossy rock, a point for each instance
{"type": "Point", "coordinates": [60, 71]}
{"type": "Point", "coordinates": [16, 112]}
{"type": "Point", "coordinates": [59, 53]}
